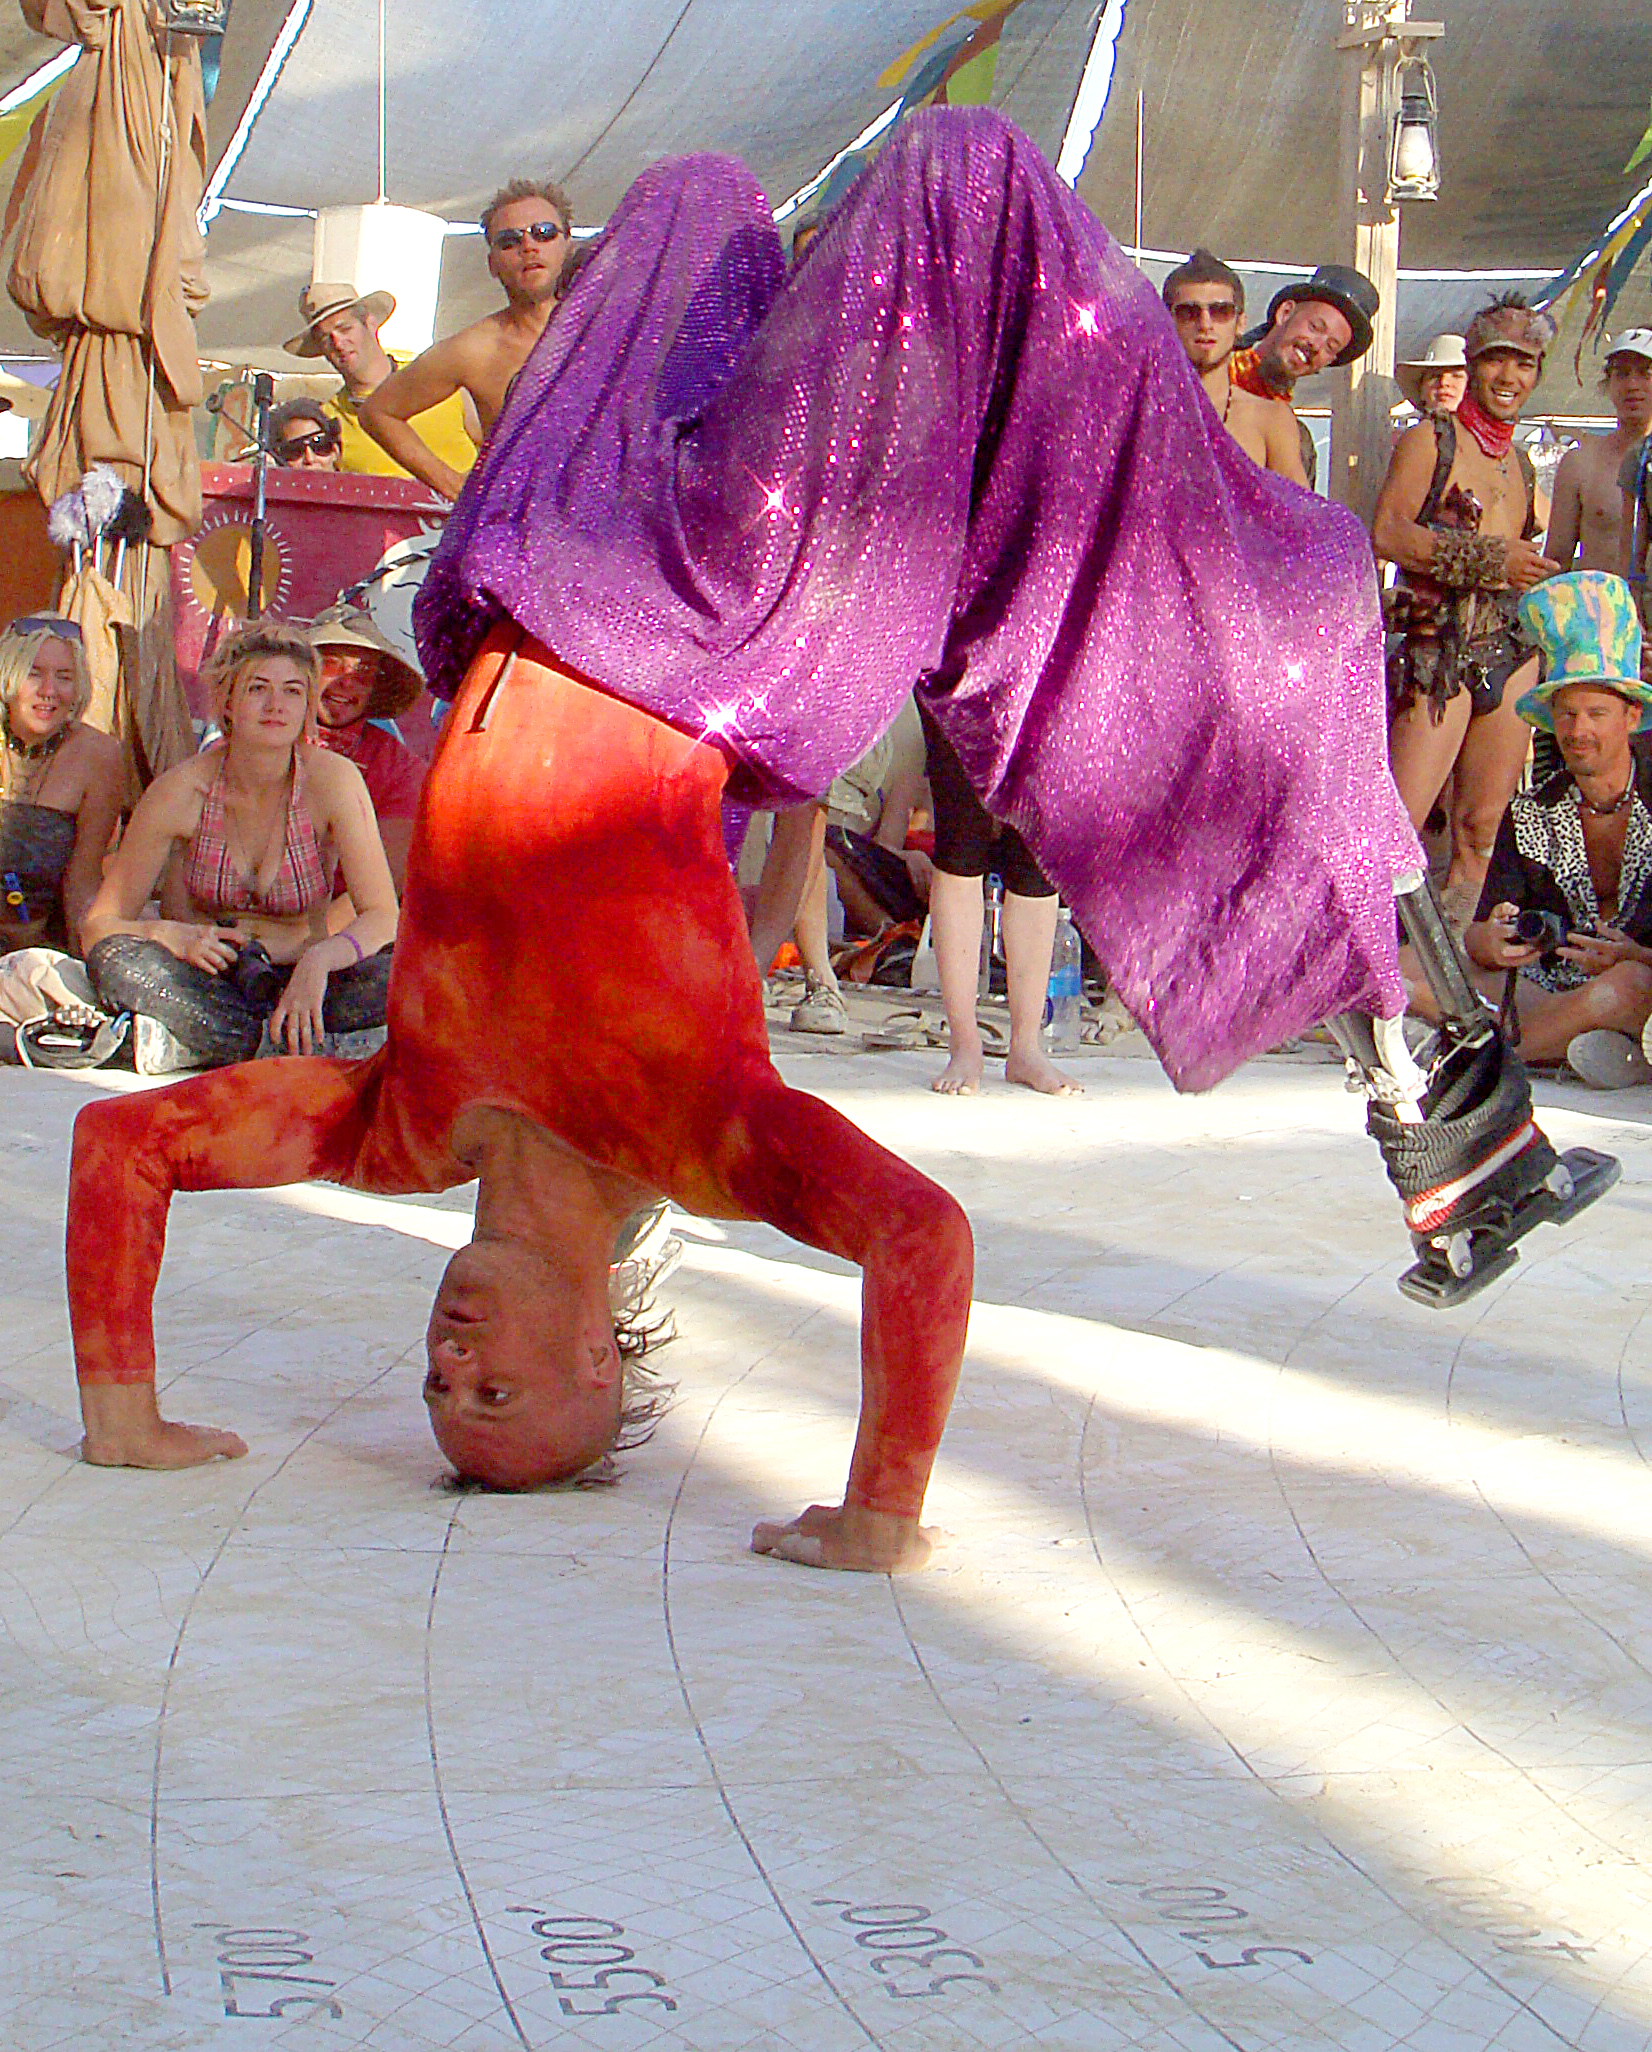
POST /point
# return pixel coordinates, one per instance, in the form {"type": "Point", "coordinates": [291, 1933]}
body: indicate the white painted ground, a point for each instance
{"type": "Point", "coordinates": [1285, 1681]}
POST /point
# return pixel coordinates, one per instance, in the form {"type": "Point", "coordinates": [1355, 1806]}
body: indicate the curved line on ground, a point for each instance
{"type": "Point", "coordinates": [1038, 1838]}
{"type": "Point", "coordinates": [441, 1794]}
{"type": "Point", "coordinates": [1543, 1575]}
{"type": "Point", "coordinates": [717, 1782]}
{"type": "Point", "coordinates": [177, 1645]}
{"type": "Point", "coordinates": [1261, 1780]}
{"type": "Point", "coordinates": [1398, 1661]}
{"type": "Point", "coordinates": [1623, 1408]}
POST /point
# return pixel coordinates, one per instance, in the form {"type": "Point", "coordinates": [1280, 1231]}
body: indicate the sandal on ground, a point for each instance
{"type": "Point", "coordinates": [904, 1031]}
{"type": "Point", "coordinates": [995, 1035]}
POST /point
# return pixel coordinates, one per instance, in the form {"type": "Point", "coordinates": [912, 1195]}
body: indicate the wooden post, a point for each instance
{"type": "Point", "coordinates": [1374, 37]}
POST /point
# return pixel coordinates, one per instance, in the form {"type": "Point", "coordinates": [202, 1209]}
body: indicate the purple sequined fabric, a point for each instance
{"type": "Point", "coordinates": [960, 442]}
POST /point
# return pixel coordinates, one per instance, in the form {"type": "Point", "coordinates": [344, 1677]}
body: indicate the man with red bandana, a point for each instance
{"type": "Point", "coordinates": [1457, 514]}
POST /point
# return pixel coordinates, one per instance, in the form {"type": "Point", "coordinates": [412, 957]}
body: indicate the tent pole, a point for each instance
{"type": "Point", "coordinates": [381, 102]}
{"type": "Point", "coordinates": [1139, 125]}
{"type": "Point", "coordinates": [1376, 33]}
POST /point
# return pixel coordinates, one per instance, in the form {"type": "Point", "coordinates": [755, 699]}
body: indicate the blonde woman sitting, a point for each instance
{"type": "Point", "coordinates": [244, 841]}
{"type": "Point", "coordinates": [60, 786]}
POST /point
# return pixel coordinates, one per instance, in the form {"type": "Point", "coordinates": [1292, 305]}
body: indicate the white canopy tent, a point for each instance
{"type": "Point", "coordinates": [1541, 103]}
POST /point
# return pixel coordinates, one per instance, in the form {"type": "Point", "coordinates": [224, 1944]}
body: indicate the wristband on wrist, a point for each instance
{"type": "Point", "coordinates": [1467, 562]}
{"type": "Point", "coordinates": [361, 952]}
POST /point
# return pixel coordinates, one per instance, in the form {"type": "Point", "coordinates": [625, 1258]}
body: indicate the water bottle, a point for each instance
{"type": "Point", "coordinates": [992, 930]}
{"type": "Point", "coordinates": [1066, 991]}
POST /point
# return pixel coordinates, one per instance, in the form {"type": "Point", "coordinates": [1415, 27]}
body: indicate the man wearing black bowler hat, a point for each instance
{"type": "Point", "coordinates": [1319, 323]}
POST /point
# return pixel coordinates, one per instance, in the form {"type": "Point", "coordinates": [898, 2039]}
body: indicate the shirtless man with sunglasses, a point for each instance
{"type": "Point", "coordinates": [1207, 302]}
{"type": "Point", "coordinates": [527, 226]}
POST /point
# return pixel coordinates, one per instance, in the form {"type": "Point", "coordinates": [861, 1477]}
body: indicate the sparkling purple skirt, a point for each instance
{"type": "Point", "coordinates": [960, 443]}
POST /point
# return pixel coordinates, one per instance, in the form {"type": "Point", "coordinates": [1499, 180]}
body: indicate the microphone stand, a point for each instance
{"type": "Point", "coordinates": [263, 391]}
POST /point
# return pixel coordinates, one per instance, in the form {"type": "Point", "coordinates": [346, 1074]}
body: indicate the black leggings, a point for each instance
{"type": "Point", "coordinates": [206, 1012]}
{"type": "Point", "coordinates": [968, 840]}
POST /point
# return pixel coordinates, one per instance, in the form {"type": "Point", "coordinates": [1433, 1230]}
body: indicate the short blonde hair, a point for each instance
{"type": "Point", "coordinates": [18, 650]}
{"type": "Point", "coordinates": [545, 189]}
{"type": "Point", "coordinates": [242, 651]}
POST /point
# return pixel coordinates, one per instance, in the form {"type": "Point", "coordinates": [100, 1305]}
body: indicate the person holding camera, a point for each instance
{"type": "Point", "coordinates": [243, 841]}
{"type": "Point", "coordinates": [1563, 934]}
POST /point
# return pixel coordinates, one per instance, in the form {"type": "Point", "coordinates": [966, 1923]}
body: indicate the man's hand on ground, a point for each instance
{"type": "Point", "coordinates": [124, 1429]}
{"type": "Point", "coordinates": [846, 1537]}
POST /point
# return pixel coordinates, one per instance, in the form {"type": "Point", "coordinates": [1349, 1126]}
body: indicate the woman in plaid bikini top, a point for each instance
{"type": "Point", "coordinates": [302, 878]}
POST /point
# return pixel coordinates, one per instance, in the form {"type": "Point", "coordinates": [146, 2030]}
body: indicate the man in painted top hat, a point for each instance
{"type": "Point", "coordinates": [1319, 323]}
{"type": "Point", "coordinates": [1435, 381]}
{"type": "Point", "coordinates": [1587, 523]}
{"type": "Point", "coordinates": [365, 680]}
{"type": "Point", "coordinates": [343, 326]}
{"type": "Point", "coordinates": [1457, 513]}
{"type": "Point", "coordinates": [1579, 847]}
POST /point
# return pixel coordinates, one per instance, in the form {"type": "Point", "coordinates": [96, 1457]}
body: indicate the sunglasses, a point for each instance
{"type": "Point", "coordinates": [536, 231]}
{"type": "Point", "coordinates": [321, 443]}
{"type": "Point", "coordinates": [1219, 310]}
{"type": "Point", "coordinates": [47, 623]}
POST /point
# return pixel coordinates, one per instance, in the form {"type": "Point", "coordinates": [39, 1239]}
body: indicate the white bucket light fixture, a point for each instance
{"type": "Point", "coordinates": [386, 248]}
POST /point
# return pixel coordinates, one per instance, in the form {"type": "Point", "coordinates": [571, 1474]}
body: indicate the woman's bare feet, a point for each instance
{"type": "Point", "coordinates": [1034, 1070]}
{"type": "Point", "coordinates": [962, 1075]}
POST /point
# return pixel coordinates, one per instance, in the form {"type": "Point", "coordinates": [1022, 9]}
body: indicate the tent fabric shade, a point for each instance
{"type": "Point", "coordinates": [1542, 102]}
{"type": "Point", "coordinates": [108, 264]}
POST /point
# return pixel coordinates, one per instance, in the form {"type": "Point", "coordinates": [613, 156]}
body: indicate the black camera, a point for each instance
{"type": "Point", "coordinates": [1545, 930]}
{"type": "Point", "coordinates": [255, 976]}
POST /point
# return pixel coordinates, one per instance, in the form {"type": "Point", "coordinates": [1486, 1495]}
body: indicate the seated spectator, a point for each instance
{"type": "Point", "coordinates": [343, 326]}
{"type": "Point", "coordinates": [364, 680]}
{"type": "Point", "coordinates": [1436, 381]}
{"type": "Point", "coordinates": [880, 787]}
{"type": "Point", "coordinates": [60, 786]}
{"type": "Point", "coordinates": [246, 836]}
{"type": "Point", "coordinates": [304, 436]}
{"type": "Point", "coordinates": [1578, 849]}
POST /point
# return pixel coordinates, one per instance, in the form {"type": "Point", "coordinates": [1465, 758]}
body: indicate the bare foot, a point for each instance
{"type": "Point", "coordinates": [846, 1537]}
{"type": "Point", "coordinates": [962, 1075]}
{"type": "Point", "coordinates": [173, 1446]}
{"type": "Point", "coordinates": [1034, 1069]}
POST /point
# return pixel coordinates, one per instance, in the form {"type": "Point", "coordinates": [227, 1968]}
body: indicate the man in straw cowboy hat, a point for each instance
{"type": "Point", "coordinates": [1587, 522]}
{"type": "Point", "coordinates": [1319, 323]}
{"type": "Point", "coordinates": [1578, 849]}
{"type": "Point", "coordinates": [1456, 512]}
{"type": "Point", "coordinates": [343, 326]}
{"type": "Point", "coordinates": [1435, 381]}
{"type": "Point", "coordinates": [365, 679]}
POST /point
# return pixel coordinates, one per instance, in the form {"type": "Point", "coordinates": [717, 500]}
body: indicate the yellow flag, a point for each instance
{"type": "Point", "coordinates": [16, 125]}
